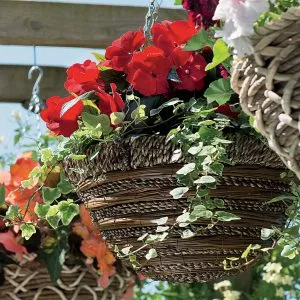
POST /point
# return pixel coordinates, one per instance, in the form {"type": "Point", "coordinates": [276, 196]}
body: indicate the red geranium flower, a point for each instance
{"type": "Point", "coordinates": [226, 109]}
{"type": "Point", "coordinates": [110, 103]}
{"type": "Point", "coordinates": [119, 54]}
{"type": "Point", "coordinates": [148, 71]}
{"type": "Point", "coordinates": [201, 11]}
{"type": "Point", "coordinates": [65, 124]}
{"type": "Point", "coordinates": [171, 37]}
{"type": "Point", "coordinates": [83, 78]}
{"type": "Point", "coordinates": [192, 74]}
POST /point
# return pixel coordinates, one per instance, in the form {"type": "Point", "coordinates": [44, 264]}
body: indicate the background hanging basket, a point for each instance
{"type": "Point", "coordinates": [268, 83]}
{"type": "Point", "coordinates": [31, 282]}
{"type": "Point", "coordinates": [127, 186]}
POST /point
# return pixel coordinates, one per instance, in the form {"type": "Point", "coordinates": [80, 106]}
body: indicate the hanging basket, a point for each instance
{"type": "Point", "coordinates": [126, 186]}
{"type": "Point", "coordinates": [30, 282]}
{"type": "Point", "coordinates": [268, 83]}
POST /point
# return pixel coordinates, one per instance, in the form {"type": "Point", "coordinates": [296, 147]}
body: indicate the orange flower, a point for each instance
{"type": "Point", "coordinates": [21, 169]}
{"type": "Point", "coordinates": [86, 219]}
{"type": "Point", "coordinates": [81, 230]}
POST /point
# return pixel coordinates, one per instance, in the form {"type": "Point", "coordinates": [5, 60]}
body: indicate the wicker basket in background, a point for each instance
{"type": "Point", "coordinates": [268, 83]}
{"type": "Point", "coordinates": [127, 186]}
{"type": "Point", "coordinates": [29, 282]}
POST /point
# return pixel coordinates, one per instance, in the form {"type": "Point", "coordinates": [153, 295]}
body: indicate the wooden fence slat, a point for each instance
{"type": "Point", "coordinates": [64, 24]}
{"type": "Point", "coordinates": [15, 87]}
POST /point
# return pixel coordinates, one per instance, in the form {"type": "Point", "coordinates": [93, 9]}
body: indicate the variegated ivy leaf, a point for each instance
{"type": "Point", "coordinates": [178, 193]}
{"type": "Point", "coordinates": [151, 254]}
{"type": "Point", "coordinates": [160, 221]}
{"type": "Point", "coordinates": [186, 169]}
{"type": "Point", "coordinates": [28, 230]}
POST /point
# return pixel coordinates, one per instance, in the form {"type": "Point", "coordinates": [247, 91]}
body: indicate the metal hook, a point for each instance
{"type": "Point", "coordinates": [36, 104]}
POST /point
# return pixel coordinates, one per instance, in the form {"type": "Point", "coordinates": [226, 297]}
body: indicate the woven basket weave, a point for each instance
{"type": "Point", "coordinates": [268, 83]}
{"type": "Point", "coordinates": [127, 186]}
{"type": "Point", "coordinates": [26, 282]}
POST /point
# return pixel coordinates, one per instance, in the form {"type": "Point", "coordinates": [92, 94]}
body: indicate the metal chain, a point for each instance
{"type": "Point", "coordinates": [151, 17]}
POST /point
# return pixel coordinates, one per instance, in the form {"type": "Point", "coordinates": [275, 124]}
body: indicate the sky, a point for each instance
{"type": "Point", "coordinates": [48, 56]}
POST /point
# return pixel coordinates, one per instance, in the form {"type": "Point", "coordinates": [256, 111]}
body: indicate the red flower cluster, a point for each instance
{"type": "Point", "coordinates": [64, 124]}
{"type": "Point", "coordinates": [83, 78]}
{"type": "Point", "coordinates": [201, 11]}
{"type": "Point", "coordinates": [148, 70]}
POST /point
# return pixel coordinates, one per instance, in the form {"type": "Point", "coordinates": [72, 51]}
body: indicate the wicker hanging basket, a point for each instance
{"type": "Point", "coordinates": [28, 282]}
{"type": "Point", "coordinates": [127, 186]}
{"type": "Point", "coordinates": [268, 83]}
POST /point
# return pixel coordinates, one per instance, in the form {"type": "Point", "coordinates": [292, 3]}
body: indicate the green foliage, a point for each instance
{"type": "Point", "coordinates": [201, 39]}
{"type": "Point", "coordinates": [177, 2]}
{"type": "Point", "coordinates": [27, 229]}
{"type": "Point", "coordinates": [53, 253]}
{"type": "Point", "coordinates": [2, 194]}
{"type": "Point", "coordinates": [219, 91]}
{"type": "Point", "coordinates": [221, 53]}
{"type": "Point", "coordinates": [50, 194]}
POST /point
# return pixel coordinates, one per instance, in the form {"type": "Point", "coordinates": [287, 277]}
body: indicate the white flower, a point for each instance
{"type": "Point", "coordinates": [231, 295]}
{"type": "Point", "coordinates": [273, 267]}
{"type": "Point", "coordinates": [222, 284]}
{"type": "Point", "coordinates": [279, 292]}
{"type": "Point", "coordinates": [287, 280]}
{"type": "Point", "coordinates": [272, 278]}
{"type": "Point", "coordinates": [239, 17]}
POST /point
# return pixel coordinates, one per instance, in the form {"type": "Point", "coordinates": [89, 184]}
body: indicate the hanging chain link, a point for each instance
{"type": "Point", "coordinates": [151, 17]}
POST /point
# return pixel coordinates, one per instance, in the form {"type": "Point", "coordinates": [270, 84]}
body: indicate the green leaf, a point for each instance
{"type": "Point", "coordinates": [117, 118]}
{"type": "Point", "coordinates": [289, 251]}
{"type": "Point", "coordinates": [160, 229]}
{"type": "Point", "coordinates": [186, 234]}
{"type": "Point", "coordinates": [100, 57]}
{"type": "Point", "coordinates": [77, 156]}
{"type": "Point", "coordinates": [186, 169]}
{"type": "Point", "coordinates": [12, 212]}
{"type": "Point", "coordinates": [90, 107]}
{"type": "Point", "coordinates": [183, 218]}
{"type": "Point", "coordinates": [27, 183]}
{"type": "Point", "coordinates": [219, 91]}
{"type": "Point", "coordinates": [54, 256]}
{"type": "Point", "coordinates": [199, 41]}
{"type": "Point", "coordinates": [46, 155]}
{"type": "Point", "coordinates": [41, 210]}
{"type": "Point", "coordinates": [139, 114]}
{"type": "Point", "coordinates": [65, 186]}
{"type": "Point", "coordinates": [126, 250]}
{"type": "Point", "coordinates": [151, 254]}
{"type": "Point", "coordinates": [68, 211]}
{"type": "Point", "coordinates": [225, 216]}
{"type": "Point", "coordinates": [53, 216]}
{"type": "Point", "coordinates": [246, 252]}
{"type": "Point", "coordinates": [2, 194]}
{"type": "Point", "coordinates": [177, 193]}
{"type": "Point", "coordinates": [208, 134]}
{"type": "Point", "coordinates": [266, 233]}
{"type": "Point", "coordinates": [195, 149]}
{"type": "Point", "coordinates": [50, 194]}
{"type": "Point", "coordinates": [177, 2]}
{"type": "Point", "coordinates": [160, 221]}
{"type": "Point", "coordinates": [203, 214]}
{"type": "Point", "coordinates": [217, 168]}
{"type": "Point", "coordinates": [171, 102]}
{"type": "Point", "coordinates": [28, 230]}
{"type": "Point", "coordinates": [221, 53]}
{"type": "Point", "coordinates": [205, 180]}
